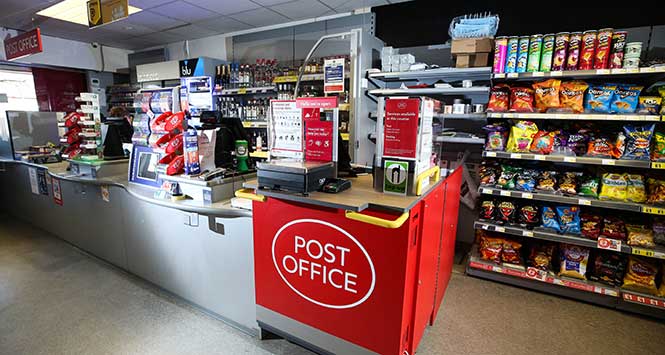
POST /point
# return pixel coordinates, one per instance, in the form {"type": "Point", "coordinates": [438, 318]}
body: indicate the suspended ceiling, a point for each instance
{"type": "Point", "coordinates": [168, 21]}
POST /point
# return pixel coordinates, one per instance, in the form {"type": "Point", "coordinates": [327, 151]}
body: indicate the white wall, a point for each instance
{"type": "Point", "coordinates": [211, 47]}
{"type": "Point", "coordinates": [72, 54]}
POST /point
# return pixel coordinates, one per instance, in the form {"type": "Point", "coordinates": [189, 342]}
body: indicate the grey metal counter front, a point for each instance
{"type": "Point", "coordinates": [202, 253]}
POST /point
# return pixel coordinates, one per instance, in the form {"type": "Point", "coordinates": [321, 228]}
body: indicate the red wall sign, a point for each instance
{"type": "Point", "coordinates": [316, 102]}
{"type": "Point", "coordinates": [319, 141]}
{"type": "Point", "coordinates": [24, 44]}
{"type": "Point", "coordinates": [400, 128]}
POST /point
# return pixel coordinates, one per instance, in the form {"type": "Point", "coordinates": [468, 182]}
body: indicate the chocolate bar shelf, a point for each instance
{"type": "Point", "coordinates": [545, 234]}
{"type": "Point", "coordinates": [431, 91]}
{"type": "Point", "coordinates": [599, 73]}
{"type": "Point", "coordinates": [445, 74]}
{"type": "Point", "coordinates": [568, 159]}
{"type": "Point", "coordinates": [574, 116]}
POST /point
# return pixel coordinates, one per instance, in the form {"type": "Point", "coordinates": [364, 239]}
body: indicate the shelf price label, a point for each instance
{"type": "Point", "coordinates": [500, 229]}
{"type": "Point", "coordinates": [500, 75]}
{"type": "Point", "coordinates": [490, 154]}
{"type": "Point", "coordinates": [528, 196]}
{"type": "Point", "coordinates": [527, 233]}
{"type": "Point", "coordinates": [584, 202]}
{"type": "Point", "coordinates": [515, 156]}
{"type": "Point", "coordinates": [537, 74]}
{"type": "Point", "coordinates": [513, 75]}
{"type": "Point", "coordinates": [486, 191]}
{"type": "Point", "coordinates": [653, 210]}
{"type": "Point", "coordinates": [643, 252]}
{"type": "Point", "coordinates": [556, 73]}
{"type": "Point", "coordinates": [607, 162]}
{"type": "Point", "coordinates": [570, 159]}
{"type": "Point", "coordinates": [609, 244]}
{"type": "Point", "coordinates": [658, 165]}
{"type": "Point", "coordinates": [536, 274]}
{"type": "Point", "coordinates": [505, 193]}
{"type": "Point", "coordinates": [603, 71]}
{"type": "Point", "coordinates": [539, 157]}
{"type": "Point", "coordinates": [242, 91]}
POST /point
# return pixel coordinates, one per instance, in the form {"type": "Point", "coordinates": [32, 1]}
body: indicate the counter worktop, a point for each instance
{"type": "Point", "coordinates": [61, 171]}
{"type": "Point", "coordinates": [359, 197]}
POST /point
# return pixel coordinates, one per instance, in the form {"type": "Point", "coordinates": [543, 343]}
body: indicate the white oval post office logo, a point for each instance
{"type": "Point", "coordinates": [323, 263]}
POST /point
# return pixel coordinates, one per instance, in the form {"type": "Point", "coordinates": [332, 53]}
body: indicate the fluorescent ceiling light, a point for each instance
{"type": "Point", "coordinates": [75, 11]}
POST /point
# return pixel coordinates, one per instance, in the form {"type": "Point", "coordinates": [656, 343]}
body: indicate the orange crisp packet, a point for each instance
{"type": "Point", "coordinates": [572, 95]}
{"type": "Point", "coordinates": [547, 94]}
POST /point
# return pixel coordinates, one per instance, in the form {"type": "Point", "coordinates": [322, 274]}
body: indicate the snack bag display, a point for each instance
{"type": "Point", "coordinates": [574, 260]}
{"type": "Point", "coordinates": [578, 142]}
{"type": "Point", "coordinates": [625, 99]}
{"type": "Point", "coordinates": [528, 216]}
{"type": "Point", "coordinates": [540, 256]}
{"type": "Point", "coordinates": [497, 134]}
{"type": "Point", "coordinates": [521, 136]}
{"type": "Point", "coordinates": [640, 236]}
{"type": "Point", "coordinates": [635, 191]}
{"type": "Point", "coordinates": [505, 212]}
{"type": "Point", "coordinates": [638, 141]}
{"type": "Point", "coordinates": [614, 228]}
{"type": "Point", "coordinates": [658, 148]}
{"type": "Point", "coordinates": [521, 99]}
{"type": "Point", "coordinates": [568, 183]}
{"type": "Point", "coordinates": [619, 146]}
{"type": "Point", "coordinates": [589, 186]}
{"type": "Point", "coordinates": [491, 248]}
{"type": "Point", "coordinates": [599, 147]}
{"type": "Point", "coordinates": [658, 228]}
{"type": "Point", "coordinates": [614, 187]}
{"type": "Point", "coordinates": [511, 252]}
{"type": "Point", "coordinates": [656, 190]}
{"type": "Point", "coordinates": [525, 180]}
{"type": "Point", "coordinates": [608, 268]}
{"type": "Point", "coordinates": [547, 94]}
{"type": "Point", "coordinates": [499, 99]}
{"type": "Point", "coordinates": [550, 219]}
{"type": "Point", "coordinates": [649, 105]}
{"type": "Point", "coordinates": [546, 181]}
{"type": "Point", "coordinates": [507, 178]}
{"type": "Point", "coordinates": [487, 210]}
{"type": "Point", "coordinates": [640, 276]}
{"type": "Point", "coordinates": [590, 225]}
{"type": "Point", "coordinates": [488, 174]}
{"type": "Point", "coordinates": [571, 95]}
{"type": "Point", "coordinates": [569, 219]}
{"type": "Point", "coordinates": [599, 98]}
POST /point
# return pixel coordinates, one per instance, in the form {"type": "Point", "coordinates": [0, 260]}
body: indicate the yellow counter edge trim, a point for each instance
{"type": "Point", "coordinates": [250, 195]}
{"type": "Point", "coordinates": [376, 220]}
{"type": "Point", "coordinates": [435, 171]}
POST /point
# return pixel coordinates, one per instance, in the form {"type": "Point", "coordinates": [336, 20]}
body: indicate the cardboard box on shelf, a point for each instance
{"type": "Point", "coordinates": [472, 45]}
{"type": "Point", "coordinates": [472, 60]}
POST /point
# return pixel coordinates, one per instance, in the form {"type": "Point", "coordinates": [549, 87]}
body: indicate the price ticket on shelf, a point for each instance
{"type": "Point", "coordinates": [536, 274]}
{"type": "Point", "coordinates": [648, 252]}
{"type": "Point", "coordinates": [653, 210]}
{"type": "Point", "coordinates": [658, 165]}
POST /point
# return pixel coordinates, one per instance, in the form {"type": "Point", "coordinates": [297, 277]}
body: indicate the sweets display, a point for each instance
{"type": "Point", "coordinates": [591, 49]}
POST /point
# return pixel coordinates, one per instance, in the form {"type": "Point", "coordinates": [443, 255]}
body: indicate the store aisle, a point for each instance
{"type": "Point", "coordinates": [55, 300]}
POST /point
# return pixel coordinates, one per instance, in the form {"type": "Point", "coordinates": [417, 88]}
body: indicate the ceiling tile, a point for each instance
{"type": "Point", "coordinates": [133, 43]}
{"type": "Point", "coordinates": [260, 17]}
{"type": "Point", "coordinates": [271, 2]}
{"type": "Point", "coordinates": [346, 6]}
{"type": "Point", "coordinates": [223, 25]}
{"type": "Point", "coordinates": [184, 11]}
{"type": "Point", "coordinates": [160, 38]}
{"type": "Point", "coordinates": [226, 7]}
{"type": "Point", "coordinates": [191, 32]}
{"type": "Point", "coordinates": [301, 9]}
{"type": "Point", "coordinates": [153, 20]}
{"type": "Point", "coordinates": [147, 4]}
{"type": "Point", "coordinates": [123, 29]}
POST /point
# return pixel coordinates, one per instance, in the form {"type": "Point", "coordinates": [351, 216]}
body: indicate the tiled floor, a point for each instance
{"type": "Point", "coordinates": [55, 300]}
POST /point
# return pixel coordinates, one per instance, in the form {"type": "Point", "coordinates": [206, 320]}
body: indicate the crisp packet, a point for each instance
{"type": "Point", "coordinates": [550, 219]}
{"type": "Point", "coordinates": [569, 219]}
{"type": "Point", "coordinates": [614, 187]}
{"type": "Point", "coordinates": [658, 149]}
{"type": "Point", "coordinates": [599, 98]}
{"type": "Point", "coordinates": [497, 134]}
{"type": "Point", "coordinates": [521, 136]}
{"type": "Point", "coordinates": [635, 191]}
{"type": "Point", "coordinates": [649, 105]}
{"type": "Point", "coordinates": [521, 99]}
{"type": "Point", "coordinates": [547, 94]}
{"type": "Point", "coordinates": [638, 142]}
{"type": "Point", "coordinates": [625, 99]}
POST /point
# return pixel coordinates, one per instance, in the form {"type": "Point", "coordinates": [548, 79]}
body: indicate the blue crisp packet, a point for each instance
{"type": "Point", "coordinates": [598, 98]}
{"type": "Point", "coordinates": [638, 142]}
{"type": "Point", "coordinates": [550, 219]}
{"type": "Point", "coordinates": [625, 99]}
{"type": "Point", "coordinates": [569, 219]}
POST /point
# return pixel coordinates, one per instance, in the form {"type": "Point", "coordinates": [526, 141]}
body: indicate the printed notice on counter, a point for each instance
{"type": "Point", "coordinates": [34, 184]}
{"type": "Point", "coordinates": [333, 75]}
{"type": "Point", "coordinates": [395, 176]}
{"type": "Point", "coordinates": [42, 183]}
{"type": "Point", "coordinates": [400, 129]}
{"type": "Point", "coordinates": [286, 129]}
{"type": "Point", "coordinates": [57, 192]}
{"type": "Point", "coordinates": [319, 141]}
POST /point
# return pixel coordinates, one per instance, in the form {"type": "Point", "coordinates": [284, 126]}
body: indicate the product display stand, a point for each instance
{"type": "Point", "coordinates": [91, 122]}
{"type": "Point", "coordinates": [548, 281]}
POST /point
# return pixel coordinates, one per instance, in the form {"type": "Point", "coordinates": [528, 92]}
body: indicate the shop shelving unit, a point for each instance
{"type": "Point", "coordinates": [121, 95]}
{"type": "Point", "coordinates": [598, 293]}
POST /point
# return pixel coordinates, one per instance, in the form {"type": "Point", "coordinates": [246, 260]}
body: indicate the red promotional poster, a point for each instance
{"type": "Point", "coordinates": [57, 192]}
{"type": "Point", "coordinates": [319, 141]}
{"type": "Point", "coordinates": [24, 44]}
{"type": "Point", "coordinates": [311, 114]}
{"type": "Point", "coordinates": [400, 131]}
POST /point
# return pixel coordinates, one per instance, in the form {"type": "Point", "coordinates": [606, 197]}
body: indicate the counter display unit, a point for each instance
{"type": "Point", "coordinates": [199, 252]}
{"type": "Point", "coordinates": [358, 272]}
